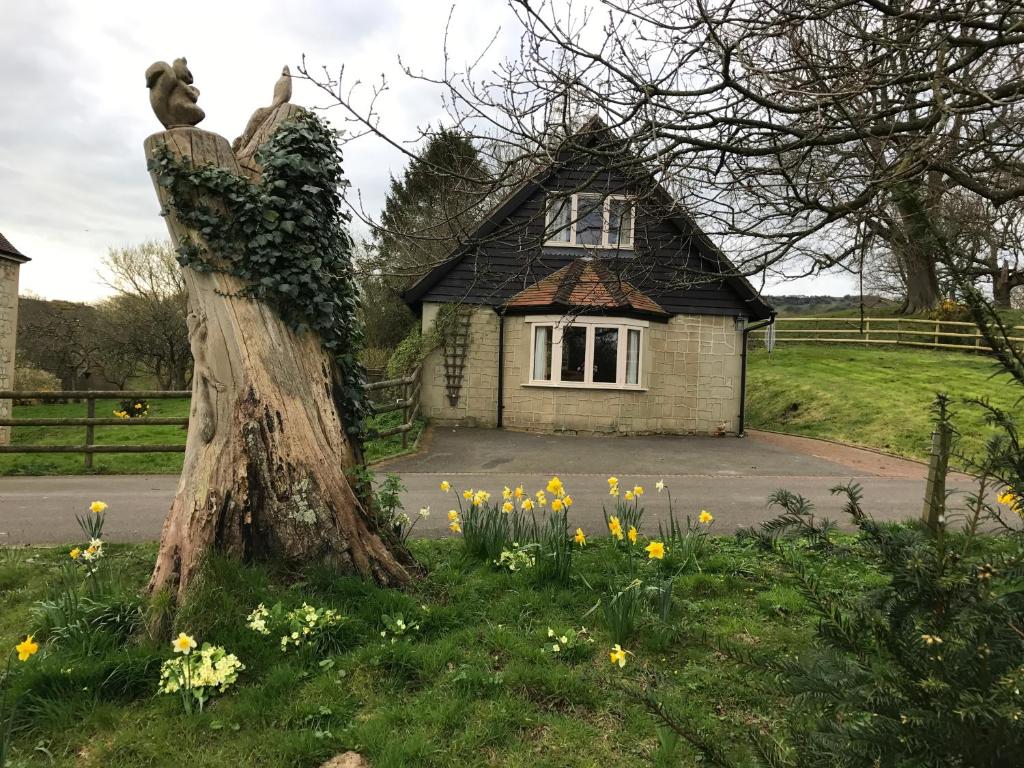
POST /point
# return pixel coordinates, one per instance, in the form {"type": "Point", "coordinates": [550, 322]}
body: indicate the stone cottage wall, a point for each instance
{"type": "Point", "coordinates": [691, 375]}
{"type": "Point", "coordinates": [8, 336]}
{"type": "Point", "coordinates": [477, 405]}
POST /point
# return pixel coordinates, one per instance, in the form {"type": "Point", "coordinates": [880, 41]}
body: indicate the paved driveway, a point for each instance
{"type": "Point", "coordinates": [730, 477]}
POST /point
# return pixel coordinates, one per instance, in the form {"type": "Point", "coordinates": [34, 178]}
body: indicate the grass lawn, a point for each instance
{"type": "Point", "coordinates": [874, 397]}
{"type": "Point", "coordinates": [130, 463]}
{"type": "Point", "coordinates": [472, 687]}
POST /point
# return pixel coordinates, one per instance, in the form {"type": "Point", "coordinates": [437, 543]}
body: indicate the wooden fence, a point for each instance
{"type": "Point", "coordinates": [385, 396]}
{"type": "Point", "coordinates": [912, 332]}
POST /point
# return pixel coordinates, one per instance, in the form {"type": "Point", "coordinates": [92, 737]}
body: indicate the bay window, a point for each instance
{"type": "Point", "coordinates": [593, 352]}
{"type": "Point", "coordinates": [590, 220]}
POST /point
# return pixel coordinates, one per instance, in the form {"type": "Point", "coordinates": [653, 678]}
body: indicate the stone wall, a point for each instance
{"type": "Point", "coordinates": [690, 374]}
{"type": "Point", "coordinates": [8, 336]}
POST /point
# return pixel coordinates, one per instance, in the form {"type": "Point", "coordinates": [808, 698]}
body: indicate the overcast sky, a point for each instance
{"type": "Point", "coordinates": [73, 179]}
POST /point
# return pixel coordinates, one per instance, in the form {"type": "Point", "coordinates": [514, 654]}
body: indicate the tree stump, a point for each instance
{"type": "Point", "coordinates": [266, 453]}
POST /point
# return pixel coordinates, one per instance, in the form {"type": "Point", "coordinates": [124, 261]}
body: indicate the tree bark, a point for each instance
{"type": "Point", "coordinates": [918, 251]}
{"type": "Point", "coordinates": [266, 452]}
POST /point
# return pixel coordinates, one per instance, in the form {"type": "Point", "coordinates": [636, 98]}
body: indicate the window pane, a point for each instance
{"type": "Point", "coordinates": [574, 353]}
{"type": "Point", "coordinates": [589, 219]}
{"type": "Point", "coordinates": [606, 355]}
{"type": "Point", "coordinates": [559, 218]}
{"type": "Point", "coordinates": [632, 356]}
{"type": "Point", "coordinates": [542, 353]}
{"type": "Point", "coordinates": [620, 222]}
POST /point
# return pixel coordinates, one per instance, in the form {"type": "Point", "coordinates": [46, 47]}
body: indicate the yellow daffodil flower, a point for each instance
{"type": "Point", "coordinates": [542, 500]}
{"type": "Point", "coordinates": [528, 505]}
{"type": "Point", "coordinates": [183, 644]}
{"type": "Point", "coordinates": [27, 648]}
{"type": "Point", "coordinates": [468, 494]}
{"type": "Point", "coordinates": [454, 527]}
{"type": "Point", "coordinates": [613, 481]}
{"type": "Point", "coordinates": [632, 534]}
{"type": "Point", "coordinates": [97, 507]}
{"type": "Point", "coordinates": [75, 553]}
{"type": "Point", "coordinates": [638, 490]}
{"type": "Point", "coordinates": [557, 505]}
{"type": "Point", "coordinates": [446, 486]}
{"type": "Point", "coordinates": [507, 507]}
{"type": "Point", "coordinates": [518, 492]}
{"type": "Point", "coordinates": [615, 527]}
{"type": "Point", "coordinates": [705, 517]}
{"type": "Point", "coordinates": [567, 501]}
{"type": "Point", "coordinates": [506, 493]}
{"type": "Point", "coordinates": [1012, 501]}
{"type": "Point", "coordinates": [618, 655]}
{"type": "Point", "coordinates": [613, 491]}
{"type": "Point", "coordinates": [628, 495]}
{"type": "Point", "coordinates": [555, 486]}
{"type": "Point", "coordinates": [580, 537]}
{"type": "Point", "coordinates": [452, 515]}
{"type": "Point", "coordinates": [655, 550]}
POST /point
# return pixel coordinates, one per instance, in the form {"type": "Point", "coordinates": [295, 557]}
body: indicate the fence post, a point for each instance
{"type": "Point", "coordinates": [406, 393]}
{"type": "Point", "coordinates": [935, 344]}
{"type": "Point", "coordinates": [90, 412]}
{"type": "Point", "coordinates": [934, 511]}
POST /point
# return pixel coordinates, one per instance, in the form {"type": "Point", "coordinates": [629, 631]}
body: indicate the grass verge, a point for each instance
{"type": "Point", "coordinates": [879, 398]}
{"type": "Point", "coordinates": [472, 687]}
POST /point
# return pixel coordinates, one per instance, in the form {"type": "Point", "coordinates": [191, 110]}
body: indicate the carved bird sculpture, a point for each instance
{"type": "Point", "coordinates": [282, 94]}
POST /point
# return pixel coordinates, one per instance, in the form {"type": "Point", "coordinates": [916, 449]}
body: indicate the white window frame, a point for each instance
{"type": "Point", "coordinates": [558, 324]}
{"type": "Point", "coordinates": [605, 244]}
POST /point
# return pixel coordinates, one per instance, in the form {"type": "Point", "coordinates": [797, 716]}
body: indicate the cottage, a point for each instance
{"type": "Point", "coordinates": [11, 260]}
{"type": "Point", "coordinates": [588, 301]}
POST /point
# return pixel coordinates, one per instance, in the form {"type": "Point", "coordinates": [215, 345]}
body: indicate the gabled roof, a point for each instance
{"type": "Point", "coordinates": [585, 285]}
{"type": "Point", "coordinates": [9, 252]}
{"type": "Point", "coordinates": [591, 131]}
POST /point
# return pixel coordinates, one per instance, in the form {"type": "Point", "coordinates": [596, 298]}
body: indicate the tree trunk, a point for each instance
{"type": "Point", "coordinates": [266, 453]}
{"type": "Point", "coordinates": [1002, 286]}
{"type": "Point", "coordinates": [922, 281]}
{"type": "Point", "coordinates": [918, 251]}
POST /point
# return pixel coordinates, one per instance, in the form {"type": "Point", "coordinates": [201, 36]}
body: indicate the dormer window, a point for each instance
{"type": "Point", "coordinates": [590, 220]}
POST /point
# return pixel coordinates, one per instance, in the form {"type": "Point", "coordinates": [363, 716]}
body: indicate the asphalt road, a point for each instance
{"type": "Point", "coordinates": [732, 478]}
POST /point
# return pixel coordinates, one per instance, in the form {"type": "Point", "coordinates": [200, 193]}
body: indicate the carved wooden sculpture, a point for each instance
{"type": "Point", "coordinates": [266, 452]}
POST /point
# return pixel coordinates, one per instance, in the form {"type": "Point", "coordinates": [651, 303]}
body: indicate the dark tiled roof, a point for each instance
{"type": "Point", "coordinates": [585, 284]}
{"type": "Point", "coordinates": [8, 251]}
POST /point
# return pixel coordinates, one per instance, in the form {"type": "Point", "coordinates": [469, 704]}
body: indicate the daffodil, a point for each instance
{"type": "Point", "coordinates": [506, 493]}
{"type": "Point", "coordinates": [631, 534]}
{"type": "Point", "coordinates": [705, 517]}
{"type": "Point", "coordinates": [638, 490]}
{"type": "Point", "coordinates": [446, 486]}
{"type": "Point", "coordinates": [618, 655]}
{"type": "Point", "coordinates": [507, 507]}
{"type": "Point", "coordinates": [557, 505]}
{"type": "Point", "coordinates": [655, 550]}
{"type": "Point", "coordinates": [615, 527]}
{"type": "Point", "coordinates": [527, 505]}
{"type": "Point", "coordinates": [452, 515]}
{"type": "Point", "coordinates": [183, 644]}
{"type": "Point", "coordinates": [628, 495]}
{"type": "Point", "coordinates": [468, 494]}
{"type": "Point", "coordinates": [555, 487]}
{"type": "Point", "coordinates": [542, 500]}
{"type": "Point", "coordinates": [27, 648]}
{"type": "Point", "coordinates": [613, 491]}
{"type": "Point", "coordinates": [1012, 501]}
{"type": "Point", "coordinates": [424, 512]}
{"type": "Point", "coordinates": [518, 493]}
{"type": "Point", "coordinates": [97, 506]}
{"type": "Point", "coordinates": [454, 527]}
{"type": "Point", "coordinates": [660, 486]}
{"type": "Point", "coordinates": [580, 537]}
{"type": "Point", "coordinates": [75, 553]}
{"type": "Point", "coordinates": [567, 501]}
{"type": "Point", "coordinates": [613, 481]}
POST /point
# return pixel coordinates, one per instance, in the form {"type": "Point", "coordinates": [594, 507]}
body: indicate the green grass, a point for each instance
{"type": "Point", "coordinates": [472, 688]}
{"type": "Point", "coordinates": [131, 463]}
{"type": "Point", "coordinates": [874, 397]}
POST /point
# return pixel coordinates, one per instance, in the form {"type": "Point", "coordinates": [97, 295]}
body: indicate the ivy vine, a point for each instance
{"type": "Point", "coordinates": [285, 237]}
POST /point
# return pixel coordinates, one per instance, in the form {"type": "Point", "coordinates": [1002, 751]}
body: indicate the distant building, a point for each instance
{"type": "Point", "coordinates": [11, 260]}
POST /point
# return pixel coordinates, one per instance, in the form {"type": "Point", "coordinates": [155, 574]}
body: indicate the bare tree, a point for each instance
{"type": "Point", "coordinates": [147, 316]}
{"type": "Point", "coordinates": [798, 133]}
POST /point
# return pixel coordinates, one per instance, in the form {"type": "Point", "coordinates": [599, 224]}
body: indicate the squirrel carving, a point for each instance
{"type": "Point", "coordinates": [172, 95]}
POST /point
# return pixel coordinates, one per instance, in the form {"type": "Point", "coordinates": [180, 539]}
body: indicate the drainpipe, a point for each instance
{"type": "Point", "coordinates": [501, 367]}
{"type": "Point", "coordinates": [743, 372]}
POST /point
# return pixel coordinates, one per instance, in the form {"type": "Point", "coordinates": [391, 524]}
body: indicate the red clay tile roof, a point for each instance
{"type": "Point", "coordinates": [586, 283]}
{"type": "Point", "coordinates": [8, 251]}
